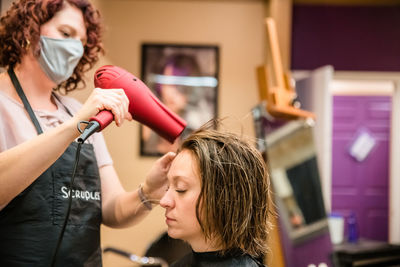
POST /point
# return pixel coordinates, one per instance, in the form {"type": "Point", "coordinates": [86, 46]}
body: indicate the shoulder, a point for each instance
{"type": "Point", "coordinates": [10, 109]}
{"type": "Point", "coordinates": [246, 261]}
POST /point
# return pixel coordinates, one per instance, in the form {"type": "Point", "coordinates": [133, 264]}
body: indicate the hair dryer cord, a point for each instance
{"type": "Point", "coordinates": [64, 225]}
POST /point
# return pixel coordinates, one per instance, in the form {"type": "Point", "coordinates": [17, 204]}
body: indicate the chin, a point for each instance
{"type": "Point", "coordinates": [173, 234]}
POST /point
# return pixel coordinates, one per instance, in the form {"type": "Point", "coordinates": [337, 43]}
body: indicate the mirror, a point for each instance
{"type": "Point", "coordinates": [292, 160]}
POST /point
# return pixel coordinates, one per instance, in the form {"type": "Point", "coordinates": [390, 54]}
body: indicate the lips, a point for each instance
{"type": "Point", "coordinates": [169, 220]}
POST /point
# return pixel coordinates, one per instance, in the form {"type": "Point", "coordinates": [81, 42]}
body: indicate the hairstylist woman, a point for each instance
{"type": "Point", "coordinates": [47, 45]}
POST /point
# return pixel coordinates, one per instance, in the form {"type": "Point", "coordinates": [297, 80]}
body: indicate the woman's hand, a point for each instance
{"type": "Point", "coordinates": [156, 181]}
{"type": "Point", "coordinates": [113, 100]}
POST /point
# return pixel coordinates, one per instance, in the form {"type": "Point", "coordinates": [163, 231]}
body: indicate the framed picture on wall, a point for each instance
{"type": "Point", "coordinates": [185, 79]}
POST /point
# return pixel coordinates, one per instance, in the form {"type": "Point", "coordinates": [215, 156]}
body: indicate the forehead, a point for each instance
{"type": "Point", "coordinates": [184, 165]}
{"type": "Point", "coordinates": [71, 16]}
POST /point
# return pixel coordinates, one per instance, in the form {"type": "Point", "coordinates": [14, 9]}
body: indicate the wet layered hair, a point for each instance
{"type": "Point", "coordinates": [20, 30]}
{"type": "Point", "coordinates": [233, 205]}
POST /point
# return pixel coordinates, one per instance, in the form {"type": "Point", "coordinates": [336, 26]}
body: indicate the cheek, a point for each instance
{"type": "Point", "coordinates": [48, 31]}
{"type": "Point", "coordinates": [188, 207]}
{"type": "Point", "coordinates": [192, 225]}
{"type": "Point", "coordinates": [44, 30]}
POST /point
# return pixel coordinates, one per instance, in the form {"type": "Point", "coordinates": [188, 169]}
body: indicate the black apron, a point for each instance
{"type": "Point", "coordinates": [31, 223]}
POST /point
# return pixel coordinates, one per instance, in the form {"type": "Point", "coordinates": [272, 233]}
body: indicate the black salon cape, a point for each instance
{"type": "Point", "coordinates": [215, 259]}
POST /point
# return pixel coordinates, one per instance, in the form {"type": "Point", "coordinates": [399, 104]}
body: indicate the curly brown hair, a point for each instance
{"type": "Point", "coordinates": [233, 205]}
{"type": "Point", "coordinates": [20, 27]}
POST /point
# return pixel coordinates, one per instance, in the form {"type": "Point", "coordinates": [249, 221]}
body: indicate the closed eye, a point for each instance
{"type": "Point", "coordinates": [65, 34]}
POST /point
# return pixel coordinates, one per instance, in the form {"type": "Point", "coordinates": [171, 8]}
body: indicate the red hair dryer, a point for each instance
{"type": "Point", "coordinates": [143, 105]}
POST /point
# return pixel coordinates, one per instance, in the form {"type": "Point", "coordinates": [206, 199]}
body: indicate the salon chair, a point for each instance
{"type": "Point", "coordinates": [167, 248]}
{"type": "Point", "coordinates": [161, 252]}
{"type": "Point", "coordinates": [143, 261]}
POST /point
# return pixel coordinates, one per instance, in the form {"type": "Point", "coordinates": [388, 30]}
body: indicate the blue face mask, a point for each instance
{"type": "Point", "coordinates": [59, 57]}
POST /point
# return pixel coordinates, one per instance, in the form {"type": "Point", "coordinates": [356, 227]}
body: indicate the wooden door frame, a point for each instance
{"type": "Point", "coordinates": [394, 183]}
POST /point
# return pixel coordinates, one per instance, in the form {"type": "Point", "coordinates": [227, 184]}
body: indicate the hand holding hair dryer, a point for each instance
{"type": "Point", "coordinates": [144, 106]}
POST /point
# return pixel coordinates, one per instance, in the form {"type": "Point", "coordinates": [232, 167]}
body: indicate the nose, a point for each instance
{"type": "Point", "coordinates": [167, 201]}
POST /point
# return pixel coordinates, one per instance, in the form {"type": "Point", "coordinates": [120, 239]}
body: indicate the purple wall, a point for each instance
{"type": "Point", "coordinates": [362, 187]}
{"type": "Point", "coordinates": [316, 250]}
{"type": "Point", "coordinates": [362, 38]}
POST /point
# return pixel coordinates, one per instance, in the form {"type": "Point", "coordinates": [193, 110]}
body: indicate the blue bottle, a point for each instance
{"type": "Point", "coordinates": [353, 228]}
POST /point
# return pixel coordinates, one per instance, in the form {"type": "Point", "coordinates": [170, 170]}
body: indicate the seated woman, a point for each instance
{"type": "Point", "coordinates": [218, 199]}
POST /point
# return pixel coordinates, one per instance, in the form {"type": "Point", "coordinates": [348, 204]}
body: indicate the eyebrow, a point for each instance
{"type": "Point", "coordinates": [180, 177]}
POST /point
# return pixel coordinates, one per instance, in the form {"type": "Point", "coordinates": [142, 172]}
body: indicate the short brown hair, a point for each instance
{"type": "Point", "coordinates": [235, 190]}
{"type": "Point", "coordinates": [21, 24]}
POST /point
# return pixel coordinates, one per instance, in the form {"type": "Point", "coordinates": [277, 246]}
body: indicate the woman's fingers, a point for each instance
{"type": "Point", "coordinates": [115, 101]}
{"type": "Point", "coordinates": [165, 161]}
{"type": "Point", "coordinates": [156, 179]}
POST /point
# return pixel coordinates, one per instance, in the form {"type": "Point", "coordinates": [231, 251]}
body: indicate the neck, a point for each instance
{"type": "Point", "coordinates": [204, 245]}
{"type": "Point", "coordinates": [36, 85]}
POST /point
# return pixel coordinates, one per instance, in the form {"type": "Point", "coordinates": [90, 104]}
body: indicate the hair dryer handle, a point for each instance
{"type": "Point", "coordinates": [104, 118]}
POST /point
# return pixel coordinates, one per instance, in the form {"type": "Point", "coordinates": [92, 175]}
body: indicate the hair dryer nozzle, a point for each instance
{"type": "Point", "coordinates": [143, 104]}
